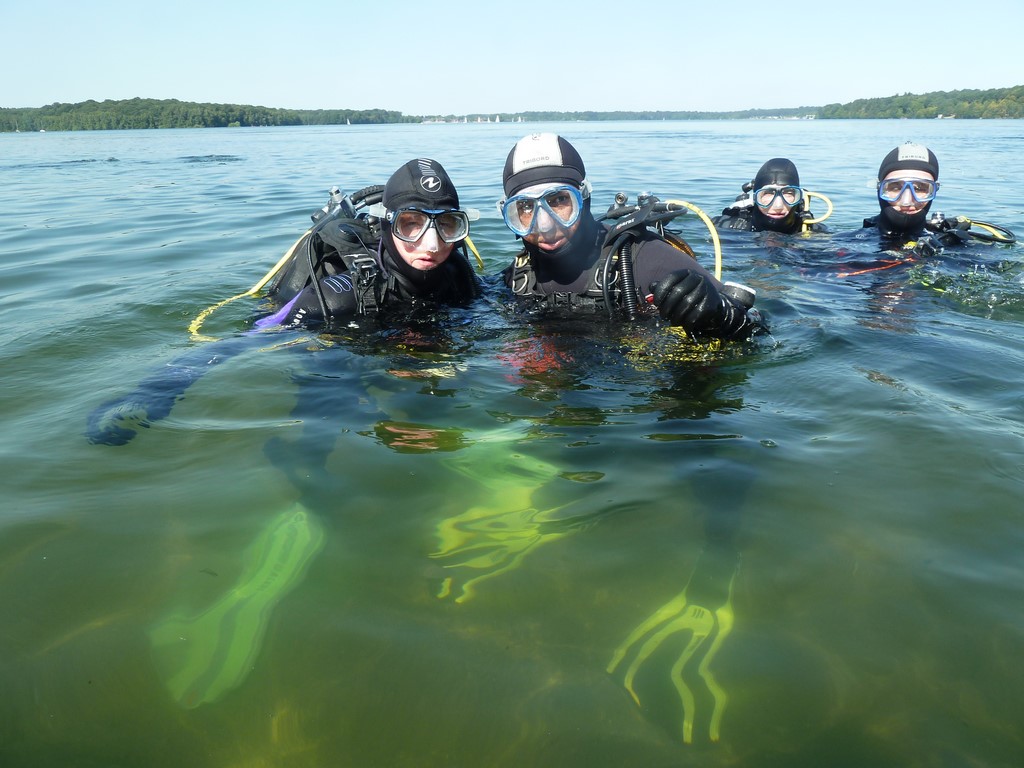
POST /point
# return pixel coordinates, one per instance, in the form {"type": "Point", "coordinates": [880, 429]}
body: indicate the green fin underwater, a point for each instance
{"type": "Point", "coordinates": [704, 611]}
{"type": "Point", "coordinates": [203, 657]}
{"type": "Point", "coordinates": [488, 540]}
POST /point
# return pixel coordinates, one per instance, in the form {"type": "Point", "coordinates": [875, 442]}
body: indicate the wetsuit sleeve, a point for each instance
{"type": "Point", "coordinates": [117, 421]}
{"type": "Point", "coordinates": [654, 259]}
{"type": "Point", "coordinates": [688, 296]}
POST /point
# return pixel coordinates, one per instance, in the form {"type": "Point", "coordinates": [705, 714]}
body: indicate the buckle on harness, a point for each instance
{"type": "Point", "coordinates": [366, 270]}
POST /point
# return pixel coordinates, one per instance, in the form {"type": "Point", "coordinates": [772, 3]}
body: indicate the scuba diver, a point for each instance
{"type": "Point", "coordinates": [772, 201]}
{"type": "Point", "coordinates": [404, 252]}
{"type": "Point", "coordinates": [571, 259]}
{"type": "Point", "coordinates": [409, 248]}
{"type": "Point", "coordinates": [908, 180]}
{"type": "Point", "coordinates": [398, 254]}
{"type": "Point", "coordinates": [908, 183]}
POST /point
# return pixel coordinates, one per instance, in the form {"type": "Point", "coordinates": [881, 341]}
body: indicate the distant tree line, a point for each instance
{"type": "Point", "coordinates": [509, 117]}
{"type": "Point", "coordinates": [171, 113]}
{"type": "Point", "coordinates": [992, 104]}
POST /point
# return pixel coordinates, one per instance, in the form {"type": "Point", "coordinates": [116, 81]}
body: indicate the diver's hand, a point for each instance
{"type": "Point", "coordinates": [688, 299]}
{"type": "Point", "coordinates": [692, 301]}
{"type": "Point", "coordinates": [116, 422]}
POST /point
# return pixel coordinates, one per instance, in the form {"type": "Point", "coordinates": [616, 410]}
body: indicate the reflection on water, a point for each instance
{"type": "Point", "coordinates": [494, 539]}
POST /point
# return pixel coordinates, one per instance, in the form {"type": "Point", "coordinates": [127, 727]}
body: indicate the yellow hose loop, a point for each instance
{"type": "Point", "coordinates": [808, 222]}
{"type": "Point", "coordinates": [196, 324]}
{"type": "Point", "coordinates": [479, 261]}
{"type": "Point", "coordinates": [993, 230]}
{"type": "Point", "coordinates": [1001, 235]}
{"type": "Point", "coordinates": [711, 228]}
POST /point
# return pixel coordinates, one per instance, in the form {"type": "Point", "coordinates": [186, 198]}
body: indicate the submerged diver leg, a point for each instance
{"type": "Point", "coordinates": [203, 657]}
{"type": "Point", "coordinates": [491, 541]}
{"type": "Point", "coordinates": [702, 610]}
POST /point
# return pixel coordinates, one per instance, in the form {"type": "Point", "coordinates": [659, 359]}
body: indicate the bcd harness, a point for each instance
{"type": "Point", "coordinates": [345, 238]}
{"type": "Point", "coordinates": [941, 231]}
{"type": "Point", "coordinates": [342, 239]}
{"type": "Point", "coordinates": [958, 229]}
{"type": "Point", "coordinates": [610, 282]}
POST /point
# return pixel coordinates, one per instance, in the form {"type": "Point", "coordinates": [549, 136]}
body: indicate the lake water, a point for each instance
{"type": "Point", "coordinates": [464, 547]}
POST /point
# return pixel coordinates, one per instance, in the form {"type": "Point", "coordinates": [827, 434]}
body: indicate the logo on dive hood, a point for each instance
{"type": "Point", "coordinates": [429, 178]}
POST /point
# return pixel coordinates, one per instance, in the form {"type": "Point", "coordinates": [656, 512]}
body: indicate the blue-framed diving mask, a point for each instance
{"type": "Point", "coordinates": [562, 204]}
{"type": "Point", "coordinates": [922, 190]}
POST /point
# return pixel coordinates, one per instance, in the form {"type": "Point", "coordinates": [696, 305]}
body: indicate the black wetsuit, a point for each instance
{"type": "Point", "coordinates": [894, 234]}
{"type": "Point", "coordinates": [453, 283]}
{"type": "Point", "coordinates": [743, 218]}
{"type": "Point", "coordinates": [574, 276]}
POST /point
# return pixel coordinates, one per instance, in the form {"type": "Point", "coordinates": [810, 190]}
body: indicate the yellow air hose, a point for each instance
{"type": "Point", "coordinates": [196, 324]}
{"type": "Point", "coordinates": [479, 261]}
{"type": "Point", "coordinates": [809, 222]}
{"type": "Point", "coordinates": [998, 234]}
{"type": "Point", "coordinates": [711, 228]}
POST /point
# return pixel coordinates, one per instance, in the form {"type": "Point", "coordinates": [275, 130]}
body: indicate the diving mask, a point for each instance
{"type": "Point", "coordinates": [562, 203]}
{"type": "Point", "coordinates": [922, 190]}
{"type": "Point", "coordinates": [410, 224]}
{"type": "Point", "coordinates": [765, 196]}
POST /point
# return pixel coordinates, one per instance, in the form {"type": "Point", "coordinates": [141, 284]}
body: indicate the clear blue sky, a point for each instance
{"type": "Point", "coordinates": [422, 58]}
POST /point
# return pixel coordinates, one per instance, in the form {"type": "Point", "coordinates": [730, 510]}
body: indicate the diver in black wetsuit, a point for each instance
{"type": "Point", "coordinates": [773, 201]}
{"type": "Point", "coordinates": [415, 264]}
{"type": "Point", "coordinates": [908, 180]}
{"type": "Point", "coordinates": [547, 205]}
{"type": "Point", "coordinates": [420, 256]}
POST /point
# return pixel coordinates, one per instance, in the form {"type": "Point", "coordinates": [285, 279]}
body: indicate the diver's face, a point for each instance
{"type": "Point", "coordinates": [779, 209]}
{"type": "Point", "coordinates": [426, 253]}
{"type": "Point", "coordinates": [548, 233]}
{"type": "Point", "coordinates": [906, 202]}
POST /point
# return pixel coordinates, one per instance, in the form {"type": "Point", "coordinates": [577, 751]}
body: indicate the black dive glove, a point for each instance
{"type": "Point", "coordinates": [692, 301]}
{"type": "Point", "coordinates": [117, 421]}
